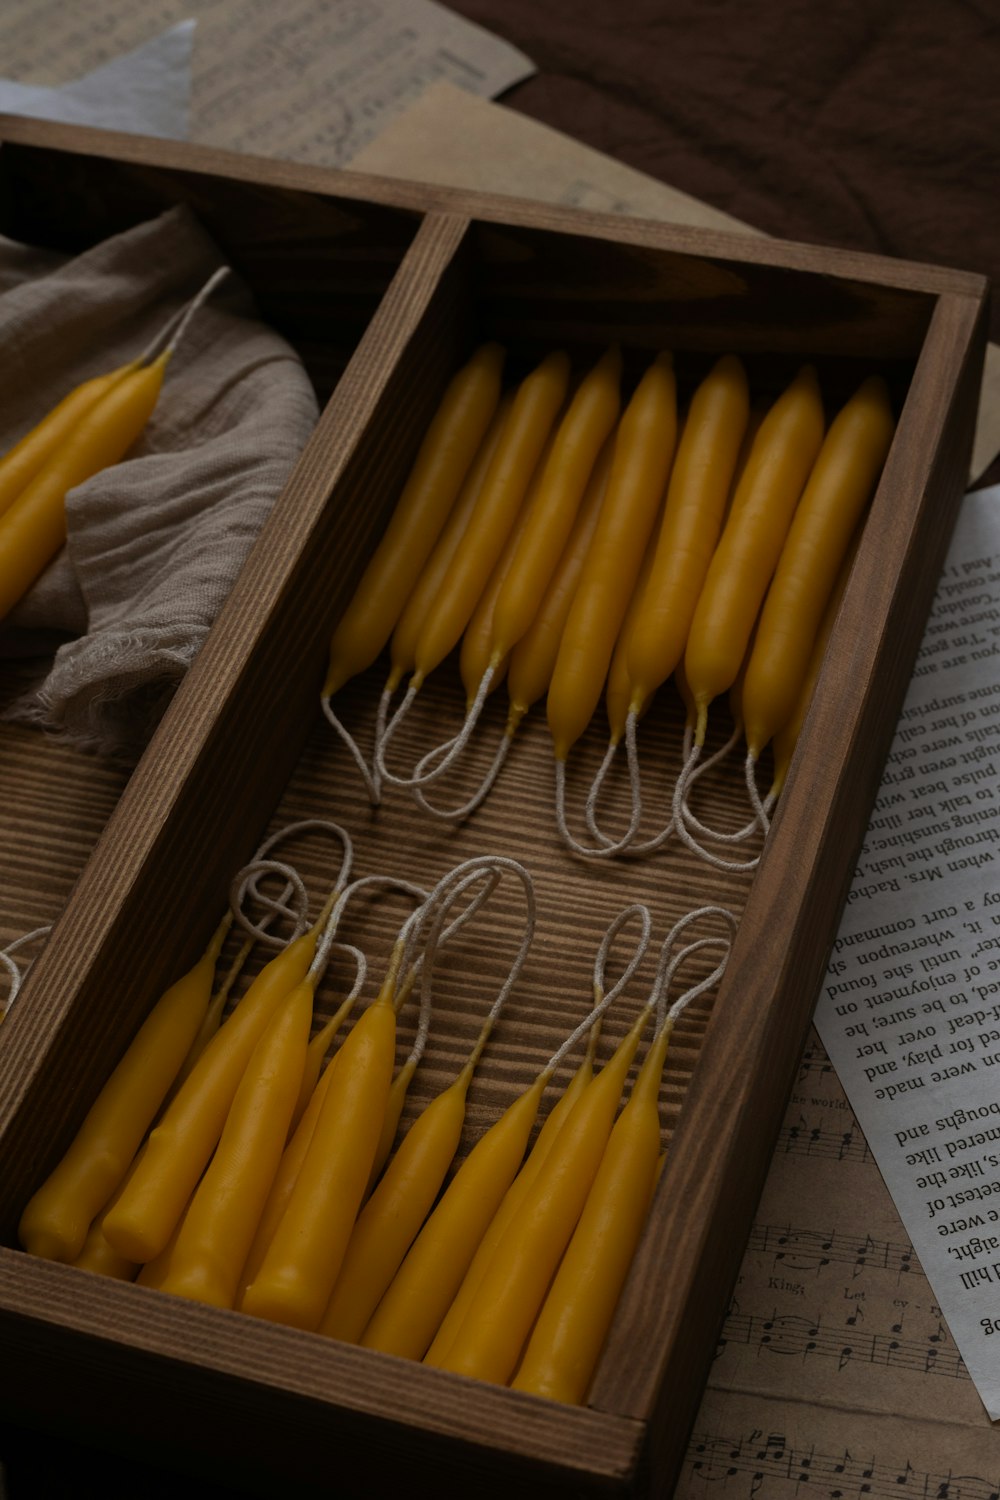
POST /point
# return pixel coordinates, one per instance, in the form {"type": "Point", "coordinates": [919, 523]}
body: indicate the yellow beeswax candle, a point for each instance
{"type": "Point", "coordinates": [219, 1226]}
{"type": "Point", "coordinates": [743, 563]}
{"type": "Point", "coordinates": [573, 1324]}
{"type": "Point", "coordinates": [390, 1220]}
{"type": "Point", "coordinates": [284, 1181]}
{"type": "Point", "coordinates": [562, 482]}
{"type": "Point", "coordinates": [442, 463]}
{"type": "Point", "coordinates": [154, 1272]}
{"type": "Point", "coordinates": [56, 1219]}
{"type": "Point", "coordinates": [403, 646]}
{"type": "Point", "coordinates": [512, 1200]}
{"type": "Point", "coordinates": [692, 520]}
{"type": "Point", "coordinates": [33, 529]}
{"type": "Point", "coordinates": [500, 1316]}
{"type": "Point", "coordinates": [97, 1255]}
{"type": "Point", "coordinates": [477, 653]}
{"type": "Point", "coordinates": [398, 1090]}
{"type": "Point", "coordinates": [316, 1052]}
{"type": "Point", "coordinates": [644, 450]}
{"type": "Point", "coordinates": [842, 481]}
{"type": "Point", "coordinates": [423, 1288]}
{"type": "Point", "coordinates": [619, 697]}
{"type": "Point", "coordinates": [179, 1147]}
{"type": "Point", "coordinates": [22, 462]}
{"type": "Point", "coordinates": [303, 1259]}
{"type": "Point", "coordinates": [534, 657]}
{"type": "Point", "coordinates": [787, 736]}
{"type": "Point", "coordinates": [533, 412]}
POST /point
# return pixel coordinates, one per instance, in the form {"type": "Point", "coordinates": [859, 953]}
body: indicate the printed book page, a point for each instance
{"type": "Point", "coordinates": [911, 1011]}
{"type": "Point", "coordinates": [307, 81]}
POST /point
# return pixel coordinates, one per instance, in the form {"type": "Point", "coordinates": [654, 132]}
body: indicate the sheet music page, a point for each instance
{"type": "Point", "coordinates": [835, 1375]}
{"type": "Point", "coordinates": [307, 80]}
{"type": "Point", "coordinates": [146, 91]}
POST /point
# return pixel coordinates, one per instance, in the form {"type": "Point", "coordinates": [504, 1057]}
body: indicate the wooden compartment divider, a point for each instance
{"type": "Point", "coordinates": [243, 748]}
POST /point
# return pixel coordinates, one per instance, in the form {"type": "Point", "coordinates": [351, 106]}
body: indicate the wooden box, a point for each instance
{"type": "Point", "coordinates": [383, 287]}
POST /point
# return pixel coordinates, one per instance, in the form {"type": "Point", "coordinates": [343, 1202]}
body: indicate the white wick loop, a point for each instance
{"type": "Point", "coordinates": [448, 752]}
{"type": "Point", "coordinates": [602, 998]}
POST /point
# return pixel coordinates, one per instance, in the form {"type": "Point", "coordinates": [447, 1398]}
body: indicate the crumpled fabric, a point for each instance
{"type": "Point", "coordinates": [155, 543]}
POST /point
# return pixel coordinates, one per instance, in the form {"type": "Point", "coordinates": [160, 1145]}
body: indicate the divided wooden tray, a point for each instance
{"type": "Point", "coordinates": [383, 287]}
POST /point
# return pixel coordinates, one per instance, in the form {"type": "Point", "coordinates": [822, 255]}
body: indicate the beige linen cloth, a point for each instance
{"type": "Point", "coordinates": [155, 543]}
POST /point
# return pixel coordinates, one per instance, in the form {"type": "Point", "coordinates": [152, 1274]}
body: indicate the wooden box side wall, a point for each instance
{"type": "Point", "coordinates": [318, 264]}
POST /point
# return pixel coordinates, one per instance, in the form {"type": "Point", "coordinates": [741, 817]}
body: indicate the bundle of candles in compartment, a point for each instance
{"type": "Point", "coordinates": [576, 547]}
{"type": "Point", "coordinates": [91, 428]}
{"type": "Point", "coordinates": [219, 1164]}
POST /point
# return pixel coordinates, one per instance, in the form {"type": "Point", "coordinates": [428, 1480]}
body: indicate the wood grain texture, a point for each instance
{"type": "Point", "coordinates": [243, 748]}
{"type": "Point", "coordinates": [284, 1407]}
{"type": "Point", "coordinates": [30, 138]}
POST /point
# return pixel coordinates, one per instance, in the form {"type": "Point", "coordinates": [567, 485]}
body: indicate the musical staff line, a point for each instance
{"type": "Point", "coordinates": [830, 1145]}
{"type": "Point", "coordinates": [791, 1335]}
{"type": "Point", "coordinates": [717, 1461]}
{"type": "Point", "coordinates": [812, 1249]}
{"type": "Point", "coordinates": [815, 1059]}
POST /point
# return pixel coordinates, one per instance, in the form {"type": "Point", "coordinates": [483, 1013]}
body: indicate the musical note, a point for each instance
{"type": "Point", "coordinates": [830, 1145]}
{"type": "Point", "coordinates": [814, 1060]}
{"type": "Point", "coordinates": [812, 1249]}
{"type": "Point", "coordinates": [792, 1336]}
{"type": "Point", "coordinates": [829, 1476]}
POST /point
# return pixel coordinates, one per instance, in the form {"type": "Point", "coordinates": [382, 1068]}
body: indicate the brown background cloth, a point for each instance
{"type": "Point", "coordinates": [868, 124]}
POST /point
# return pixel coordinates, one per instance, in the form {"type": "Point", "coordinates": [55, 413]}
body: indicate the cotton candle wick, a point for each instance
{"type": "Point", "coordinates": [604, 998]}
{"type": "Point", "coordinates": [247, 881]}
{"type": "Point", "coordinates": [669, 962]}
{"type": "Point", "coordinates": [691, 830]}
{"type": "Point", "coordinates": [348, 894]}
{"type": "Point", "coordinates": [607, 848]}
{"type": "Point", "coordinates": [176, 326]}
{"type": "Point", "coordinates": [491, 865]}
{"type": "Point", "coordinates": [463, 810]}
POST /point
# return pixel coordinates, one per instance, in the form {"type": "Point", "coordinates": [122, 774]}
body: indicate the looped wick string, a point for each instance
{"type": "Point", "coordinates": [368, 775]}
{"type": "Point", "coordinates": [449, 751]}
{"type": "Point", "coordinates": [627, 844]}
{"type": "Point", "coordinates": [247, 881]}
{"type": "Point", "coordinates": [670, 962]}
{"type": "Point", "coordinates": [690, 829]}
{"type": "Point", "coordinates": [605, 998]}
{"type": "Point", "coordinates": [607, 850]}
{"type": "Point", "coordinates": [360, 970]}
{"type": "Point", "coordinates": [460, 813]}
{"type": "Point", "coordinates": [488, 870]}
{"type": "Point", "coordinates": [762, 808]}
{"type": "Point", "coordinates": [349, 894]}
